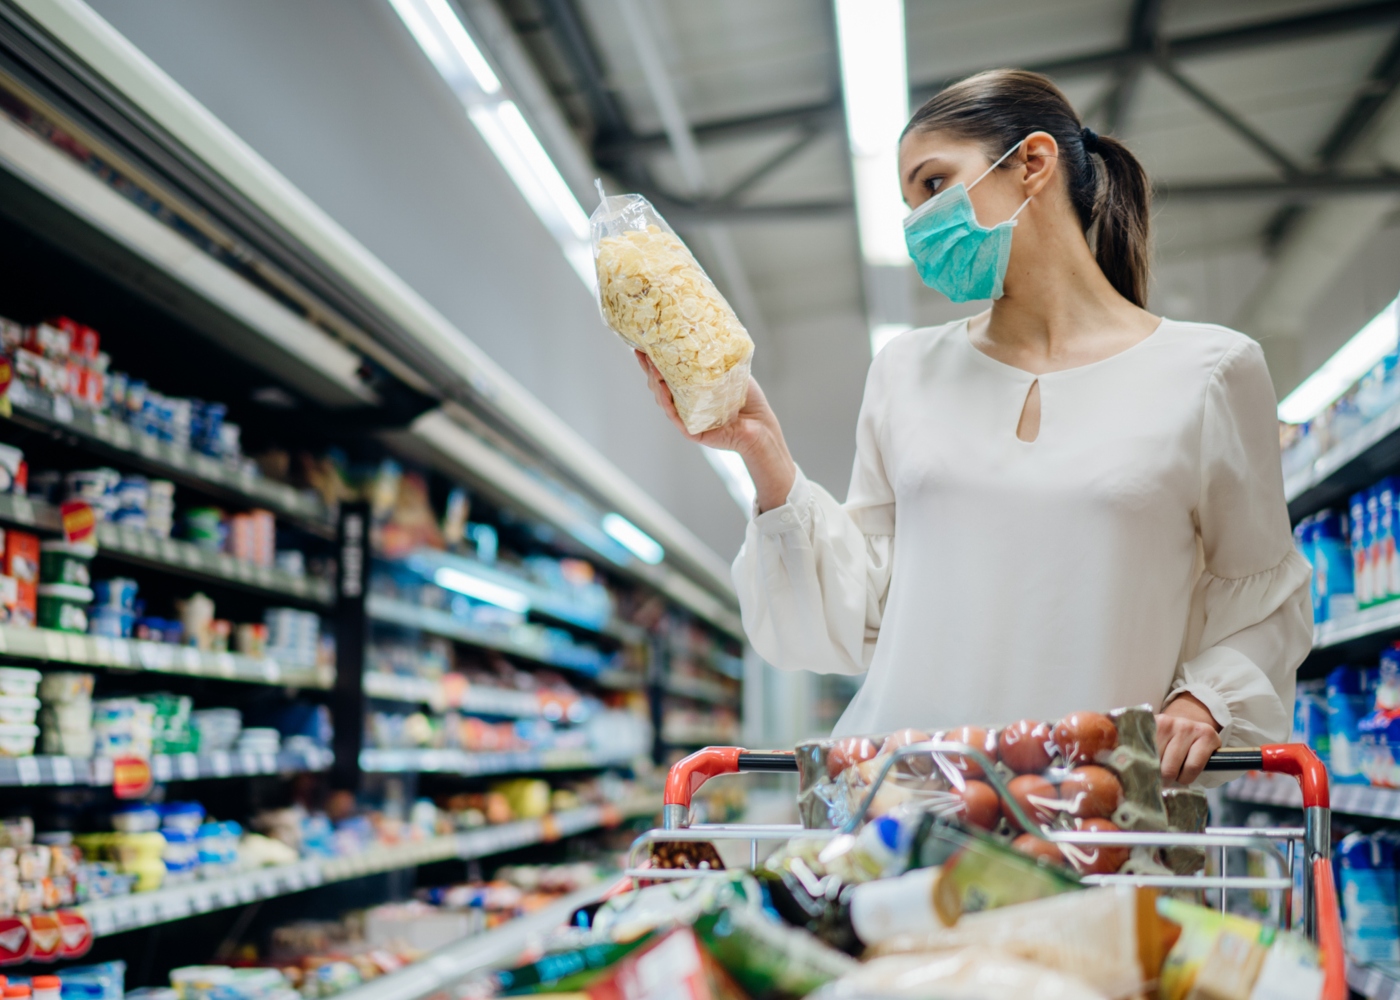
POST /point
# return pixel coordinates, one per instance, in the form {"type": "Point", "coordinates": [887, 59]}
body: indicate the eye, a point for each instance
{"type": "Point", "coordinates": [932, 184]}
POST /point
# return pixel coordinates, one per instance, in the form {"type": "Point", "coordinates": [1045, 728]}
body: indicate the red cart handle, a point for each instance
{"type": "Point", "coordinates": [1279, 758]}
{"type": "Point", "coordinates": [687, 775]}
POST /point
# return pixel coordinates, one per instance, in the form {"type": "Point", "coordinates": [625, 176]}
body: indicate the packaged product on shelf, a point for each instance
{"type": "Point", "coordinates": [1367, 872]}
{"type": "Point", "coordinates": [217, 728]}
{"type": "Point", "coordinates": [63, 607]}
{"type": "Point", "coordinates": [1350, 694]}
{"type": "Point", "coordinates": [654, 295]}
{"type": "Point", "coordinates": [252, 537]}
{"type": "Point", "coordinates": [205, 527]}
{"type": "Point", "coordinates": [66, 562]}
{"type": "Point", "coordinates": [123, 727]}
{"type": "Point", "coordinates": [293, 635]}
{"type": "Point", "coordinates": [1322, 538]}
{"type": "Point", "coordinates": [13, 470]}
{"type": "Point", "coordinates": [66, 715]}
{"type": "Point", "coordinates": [22, 565]}
{"type": "Point", "coordinates": [113, 613]}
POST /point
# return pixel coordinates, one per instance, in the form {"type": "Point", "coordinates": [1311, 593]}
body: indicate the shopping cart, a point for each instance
{"type": "Point", "coordinates": [1321, 916]}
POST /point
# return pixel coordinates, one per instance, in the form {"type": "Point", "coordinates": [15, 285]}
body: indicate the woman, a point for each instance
{"type": "Point", "coordinates": [1062, 503]}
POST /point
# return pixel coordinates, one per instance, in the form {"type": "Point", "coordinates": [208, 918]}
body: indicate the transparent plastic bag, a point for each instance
{"type": "Point", "coordinates": [656, 297]}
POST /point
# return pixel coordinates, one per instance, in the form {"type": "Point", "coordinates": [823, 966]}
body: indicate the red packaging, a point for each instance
{"type": "Point", "coordinates": [26, 608]}
{"type": "Point", "coordinates": [676, 967]}
{"type": "Point", "coordinates": [46, 935]}
{"type": "Point", "coordinates": [22, 556]}
{"type": "Point", "coordinates": [76, 933]}
{"type": "Point", "coordinates": [16, 943]}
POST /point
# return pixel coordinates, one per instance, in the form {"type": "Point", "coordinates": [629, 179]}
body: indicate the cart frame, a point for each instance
{"type": "Point", "coordinates": [1322, 919]}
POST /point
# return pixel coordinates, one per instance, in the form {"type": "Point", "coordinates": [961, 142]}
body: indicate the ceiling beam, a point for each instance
{"type": "Point", "coordinates": [567, 26]}
{"type": "Point", "coordinates": [1229, 118]}
{"type": "Point", "coordinates": [828, 113]}
{"type": "Point", "coordinates": [1143, 25]}
{"type": "Point", "coordinates": [766, 168]}
{"type": "Point", "coordinates": [1305, 187]}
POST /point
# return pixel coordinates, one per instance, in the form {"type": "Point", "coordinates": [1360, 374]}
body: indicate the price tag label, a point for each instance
{"type": "Point", "coordinates": [19, 393]}
{"type": "Point", "coordinates": [121, 653]}
{"type": "Point", "coordinates": [161, 768]}
{"type": "Point", "coordinates": [243, 570]}
{"type": "Point", "coordinates": [23, 510]}
{"type": "Point", "coordinates": [62, 410]}
{"type": "Point", "coordinates": [62, 771]}
{"type": "Point", "coordinates": [267, 763]}
{"type": "Point", "coordinates": [54, 646]}
{"type": "Point", "coordinates": [192, 556]}
{"type": "Point", "coordinates": [188, 764]}
{"type": "Point", "coordinates": [28, 769]}
{"type": "Point", "coordinates": [225, 664]}
{"type": "Point", "coordinates": [102, 426]}
{"type": "Point", "coordinates": [248, 762]}
{"type": "Point", "coordinates": [147, 546]}
{"type": "Point", "coordinates": [169, 551]}
{"type": "Point", "coordinates": [220, 763]}
{"type": "Point", "coordinates": [263, 576]}
{"type": "Point", "coordinates": [77, 649]}
{"type": "Point", "coordinates": [148, 446]}
{"type": "Point", "coordinates": [101, 771]}
{"type": "Point", "coordinates": [191, 660]}
{"type": "Point", "coordinates": [121, 436]}
{"type": "Point", "coordinates": [272, 670]}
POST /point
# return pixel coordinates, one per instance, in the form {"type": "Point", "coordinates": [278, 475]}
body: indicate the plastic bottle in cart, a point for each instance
{"type": "Point", "coordinates": [46, 987]}
{"type": "Point", "coordinates": [1361, 568]}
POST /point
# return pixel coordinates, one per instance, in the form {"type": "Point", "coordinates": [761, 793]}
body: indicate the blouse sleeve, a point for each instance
{"type": "Point", "coordinates": [1251, 611]}
{"type": "Point", "coordinates": [813, 574]}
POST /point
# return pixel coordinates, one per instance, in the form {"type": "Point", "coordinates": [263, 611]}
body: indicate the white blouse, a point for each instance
{"type": "Point", "coordinates": [1139, 548]}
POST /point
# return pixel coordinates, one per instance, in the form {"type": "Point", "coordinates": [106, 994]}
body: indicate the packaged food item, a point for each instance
{"type": "Point", "coordinates": [1111, 937]}
{"type": "Point", "coordinates": [1367, 871]}
{"type": "Point", "coordinates": [66, 562]}
{"type": "Point", "coordinates": [654, 294]}
{"type": "Point", "coordinates": [22, 556]}
{"type": "Point", "coordinates": [1215, 955]}
{"type": "Point", "coordinates": [963, 973]}
{"type": "Point", "coordinates": [19, 681]}
{"type": "Point", "coordinates": [64, 607]}
{"type": "Point", "coordinates": [1350, 694]}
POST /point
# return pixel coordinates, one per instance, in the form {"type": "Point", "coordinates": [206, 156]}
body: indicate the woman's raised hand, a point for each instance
{"type": "Point", "coordinates": [754, 433]}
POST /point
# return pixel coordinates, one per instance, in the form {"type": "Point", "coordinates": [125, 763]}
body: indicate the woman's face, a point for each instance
{"type": "Point", "coordinates": [930, 162]}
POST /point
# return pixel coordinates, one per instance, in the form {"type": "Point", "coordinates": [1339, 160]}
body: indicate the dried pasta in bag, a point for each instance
{"type": "Point", "coordinates": [653, 294]}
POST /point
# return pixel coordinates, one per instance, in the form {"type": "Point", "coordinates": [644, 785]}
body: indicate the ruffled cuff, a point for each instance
{"type": "Point", "coordinates": [794, 515]}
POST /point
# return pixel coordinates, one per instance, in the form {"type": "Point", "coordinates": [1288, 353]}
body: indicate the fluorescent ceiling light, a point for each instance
{"type": "Point", "coordinates": [1344, 369]}
{"type": "Point", "coordinates": [882, 333]}
{"type": "Point", "coordinates": [735, 474]}
{"type": "Point", "coordinates": [633, 539]}
{"type": "Point", "coordinates": [448, 45]}
{"type": "Point", "coordinates": [875, 82]}
{"type": "Point", "coordinates": [482, 590]}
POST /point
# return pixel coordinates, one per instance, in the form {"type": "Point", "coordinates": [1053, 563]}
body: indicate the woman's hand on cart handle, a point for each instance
{"type": "Point", "coordinates": [754, 433]}
{"type": "Point", "coordinates": [1187, 735]}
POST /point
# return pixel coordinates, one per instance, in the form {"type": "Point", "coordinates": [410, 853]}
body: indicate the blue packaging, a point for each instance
{"type": "Point", "coordinates": [1361, 573]}
{"type": "Point", "coordinates": [1376, 563]}
{"type": "Point", "coordinates": [1350, 695]}
{"type": "Point", "coordinates": [1388, 570]}
{"type": "Point", "coordinates": [1369, 921]}
{"type": "Point", "coordinates": [1333, 585]}
{"type": "Point", "coordinates": [1310, 717]}
{"type": "Point", "coordinates": [106, 981]}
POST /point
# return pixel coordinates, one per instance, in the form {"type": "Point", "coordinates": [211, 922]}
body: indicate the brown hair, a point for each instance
{"type": "Point", "coordinates": [1000, 107]}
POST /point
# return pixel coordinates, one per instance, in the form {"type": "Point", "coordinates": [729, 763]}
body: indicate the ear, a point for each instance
{"type": "Point", "coordinates": [1042, 161]}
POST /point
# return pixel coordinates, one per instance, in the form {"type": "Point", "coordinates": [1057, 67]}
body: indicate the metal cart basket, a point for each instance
{"type": "Point", "coordinates": [1309, 845]}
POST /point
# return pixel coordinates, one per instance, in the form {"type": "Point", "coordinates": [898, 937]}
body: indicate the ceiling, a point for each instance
{"type": "Point", "coordinates": [1247, 114]}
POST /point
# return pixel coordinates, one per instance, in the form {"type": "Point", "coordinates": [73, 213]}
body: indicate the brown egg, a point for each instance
{"type": "Point", "coordinates": [902, 738]}
{"type": "Point", "coordinates": [1083, 736]}
{"type": "Point", "coordinates": [1035, 796]}
{"type": "Point", "coordinates": [1091, 791]}
{"type": "Point", "coordinates": [1025, 746]}
{"type": "Point", "coordinates": [980, 805]}
{"type": "Point", "coordinates": [1096, 859]}
{"type": "Point", "coordinates": [1030, 844]}
{"type": "Point", "coordinates": [978, 739]}
{"type": "Point", "coordinates": [851, 750]}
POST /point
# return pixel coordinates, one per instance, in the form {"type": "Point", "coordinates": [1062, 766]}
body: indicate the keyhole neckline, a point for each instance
{"type": "Point", "coordinates": [1029, 419]}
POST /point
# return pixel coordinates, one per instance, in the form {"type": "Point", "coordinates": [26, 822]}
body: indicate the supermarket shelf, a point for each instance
{"type": "Point", "coordinates": [700, 690]}
{"type": "Point", "coordinates": [156, 657]}
{"type": "Point", "coordinates": [469, 763]}
{"type": "Point", "coordinates": [1372, 982]}
{"type": "Point", "coordinates": [700, 737]}
{"type": "Point", "coordinates": [1350, 800]}
{"type": "Point", "coordinates": [37, 408]}
{"type": "Point", "coordinates": [124, 913]}
{"type": "Point", "coordinates": [1351, 464]}
{"type": "Point", "coordinates": [97, 771]}
{"type": "Point", "coordinates": [543, 601]}
{"type": "Point", "coordinates": [29, 513]}
{"type": "Point", "coordinates": [188, 559]}
{"type": "Point", "coordinates": [1380, 618]}
{"type": "Point", "coordinates": [477, 699]}
{"type": "Point", "coordinates": [495, 948]}
{"type": "Point", "coordinates": [395, 612]}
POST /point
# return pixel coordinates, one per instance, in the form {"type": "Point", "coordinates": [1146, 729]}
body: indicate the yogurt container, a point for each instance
{"type": "Point", "coordinates": [19, 681]}
{"type": "Point", "coordinates": [64, 607]}
{"type": "Point", "coordinates": [66, 562]}
{"type": "Point", "coordinates": [18, 710]}
{"type": "Point", "coordinates": [64, 686]}
{"type": "Point", "coordinates": [17, 739]}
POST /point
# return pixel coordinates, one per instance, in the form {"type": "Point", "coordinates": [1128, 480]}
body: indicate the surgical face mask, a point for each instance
{"type": "Point", "coordinates": [952, 252]}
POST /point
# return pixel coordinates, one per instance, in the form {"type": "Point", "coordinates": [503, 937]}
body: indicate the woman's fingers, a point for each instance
{"type": "Point", "coordinates": [1174, 754]}
{"type": "Point", "coordinates": [1203, 745]}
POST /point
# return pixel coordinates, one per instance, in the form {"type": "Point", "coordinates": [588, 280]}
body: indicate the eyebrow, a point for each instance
{"type": "Point", "coordinates": [914, 171]}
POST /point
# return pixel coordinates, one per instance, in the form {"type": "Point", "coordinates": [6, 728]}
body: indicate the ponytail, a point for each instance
{"type": "Point", "coordinates": [1001, 107]}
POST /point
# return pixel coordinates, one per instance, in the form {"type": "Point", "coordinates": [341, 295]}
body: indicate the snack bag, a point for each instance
{"type": "Point", "coordinates": [653, 294]}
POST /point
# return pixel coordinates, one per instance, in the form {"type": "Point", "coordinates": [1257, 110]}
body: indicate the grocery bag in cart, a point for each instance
{"type": "Point", "coordinates": [657, 298]}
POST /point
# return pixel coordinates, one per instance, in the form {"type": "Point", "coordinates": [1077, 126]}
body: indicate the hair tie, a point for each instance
{"type": "Point", "coordinates": [1090, 138]}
